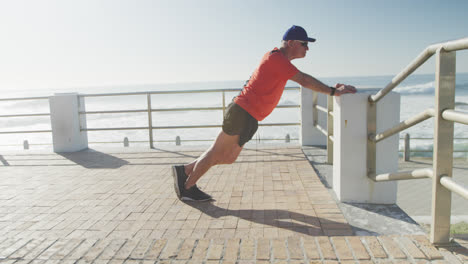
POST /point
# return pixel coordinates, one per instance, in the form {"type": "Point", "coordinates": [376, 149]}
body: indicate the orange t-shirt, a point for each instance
{"type": "Point", "coordinates": [263, 91]}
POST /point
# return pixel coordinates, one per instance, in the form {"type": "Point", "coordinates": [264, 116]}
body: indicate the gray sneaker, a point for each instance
{"type": "Point", "coordinates": [178, 172]}
{"type": "Point", "coordinates": [194, 194]}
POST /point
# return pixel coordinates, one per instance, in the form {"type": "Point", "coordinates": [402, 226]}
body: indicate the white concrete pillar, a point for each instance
{"type": "Point", "coordinates": [310, 136]}
{"type": "Point", "coordinates": [350, 181]}
{"type": "Point", "coordinates": [66, 121]}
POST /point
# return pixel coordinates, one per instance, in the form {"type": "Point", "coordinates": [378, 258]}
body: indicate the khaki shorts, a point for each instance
{"type": "Point", "coordinates": [237, 121]}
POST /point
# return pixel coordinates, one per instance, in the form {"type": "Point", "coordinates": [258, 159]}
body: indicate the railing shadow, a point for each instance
{"type": "Point", "coordinates": [301, 223]}
{"type": "Point", "coordinates": [3, 161]}
{"type": "Point", "coordinates": [93, 159]}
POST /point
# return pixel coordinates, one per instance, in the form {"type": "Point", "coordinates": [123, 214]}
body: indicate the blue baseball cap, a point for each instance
{"type": "Point", "coordinates": [297, 33]}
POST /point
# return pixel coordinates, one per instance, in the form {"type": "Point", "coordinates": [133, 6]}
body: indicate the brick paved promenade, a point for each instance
{"type": "Point", "coordinates": [120, 207]}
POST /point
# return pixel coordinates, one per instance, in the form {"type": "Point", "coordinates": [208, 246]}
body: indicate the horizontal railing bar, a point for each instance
{"type": "Point", "coordinates": [180, 127]}
{"type": "Point", "coordinates": [423, 57]}
{"type": "Point", "coordinates": [185, 109]}
{"type": "Point", "coordinates": [24, 98]}
{"type": "Point", "coordinates": [288, 106]}
{"type": "Point", "coordinates": [453, 45]}
{"type": "Point", "coordinates": [113, 112]}
{"type": "Point", "coordinates": [25, 115]}
{"type": "Point", "coordinates": [160, 92]}
{"type": "Point", "coordinates": [421, 138]}
{"type": "Point", "coordinates": [145, 141]}
{"type": "Point", "coordinates": [405, 175]}
{"type": "Point", "coordinates": [455, 116]}
{"type": "Point", "coordinates": [321, 129]}
{"type": "Point", "coordinates": [113, 128]}
{"type": "Point", "coordinates": [321, 108]}
{"type": "Point", "coordinates": [405, 124]}
{"type": "Point", "coordinates": [455, 151]}
{"type": "Point", "coordinates": [331, 138]}
{"type": "Point", "coordinates": [174, 92]}
{"type": "Point", "coordinates": [453, 186]}
{"type": "Point", "coordinates": [169, 110]}
{"type": "Point", "coordinates": [25, 132]}
{"type": "Point", "coordinates": [280, 124]}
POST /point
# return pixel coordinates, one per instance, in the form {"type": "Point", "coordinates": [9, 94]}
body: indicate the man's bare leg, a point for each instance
{"type": "Point", "coordinates": [224, 150]}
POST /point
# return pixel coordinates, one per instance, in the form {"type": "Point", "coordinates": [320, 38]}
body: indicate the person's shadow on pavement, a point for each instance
{"type": "Point", "coordinates": [293, 221]}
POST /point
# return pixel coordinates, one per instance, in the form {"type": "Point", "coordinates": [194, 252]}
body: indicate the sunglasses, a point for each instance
{"type": "Point", "coordinates": [304, 43]}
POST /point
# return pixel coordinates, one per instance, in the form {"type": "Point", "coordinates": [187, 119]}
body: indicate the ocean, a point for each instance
{"type": "Point", "coordinates": [417, 94]}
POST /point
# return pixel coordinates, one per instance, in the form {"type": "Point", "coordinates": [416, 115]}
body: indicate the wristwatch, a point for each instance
{"type": "Point", "coordinates": [333, 89]}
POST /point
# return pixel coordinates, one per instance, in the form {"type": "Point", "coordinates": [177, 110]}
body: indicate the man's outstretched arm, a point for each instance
{"type": "Point", "coordinates": [310, 82]}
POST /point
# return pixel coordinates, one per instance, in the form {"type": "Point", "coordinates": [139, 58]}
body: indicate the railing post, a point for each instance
{"type": "Point", "coordinates": [371, 144]}
{"type": "Point", "coordinates": [314, 109]}
{"type": "Point", "coordinates": [224, 104]}
{"type": "Point", "coordinates": [177, 141]}
{"type": "Point", "coordinates": [443, 146]}
{"type": "Point", "coordinates": [150, 121]}
{"type": "Point", "coordinates": [407, 147]}
{"type": "Point", "coordinates": [68, 125]}
{"type": "Point", "coordinates": [350, 140]}
{"type": "Point", "coordinates": [126, 142]}
{"type": "Point", "coordinates": [25, 145]}
{"type": "Point", "coordinates": [288, 138]}
{"type": "Point", "coordinates": [329, 129]}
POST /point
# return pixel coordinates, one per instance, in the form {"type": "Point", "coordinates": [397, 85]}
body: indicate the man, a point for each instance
{"type": "Point", "coordinates": [257, 100]}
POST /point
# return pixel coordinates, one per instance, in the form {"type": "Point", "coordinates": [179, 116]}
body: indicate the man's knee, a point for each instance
{"type": "Point", "coordinates": [231, 159]}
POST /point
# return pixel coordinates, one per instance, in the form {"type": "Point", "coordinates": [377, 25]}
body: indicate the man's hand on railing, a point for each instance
{"type": "Point", "coordinates": [344, 89]}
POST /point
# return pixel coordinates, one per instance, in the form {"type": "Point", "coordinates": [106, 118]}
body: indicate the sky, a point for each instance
{"type": "Point", "coordinates": [65, 43]}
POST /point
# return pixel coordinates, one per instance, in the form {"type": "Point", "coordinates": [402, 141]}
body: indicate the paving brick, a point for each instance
{"type": "Point", "coordinates": [155, 249]}
{"type": "Point", "coordinates": [375, 247]}
{"type": "Point", "coordinates": [96, 250]}
{"type": "Point", "coordinates": [200, 250]}
{"type": "Point", "coordinates": [279, 249]}
{"type": "Point", "coordinates": [358, 248]}
{"type": "Point", "coordinates": [216, 249]}
{"type": "Point", "coordinates": [327, 250]}
{"type": "Point", "coordinates": [311, 249]}
{"type": "Point", "coordinates": [33, 243]}
{"type": "Point", "coordinates": [112, 249]}
{"type": "Point", "coordinates": [39, 249]}
{"type": "Point", "coordinates": [392, 247]}
{"type": "Point", "coordinates": [186, 248]}
{"type": "Point", "coordinates": [141, 249]}
{"type": "Point", "coordinates": [12, 245]}
{"type": "Point", "coordinates": [232, 249]}
{"type": "Point", "coordinates": [247, 249]}
{"type": "Point", "coordinates": [82, 248]}
{"type": "Point", "coordinates": [57, 246]}
{"type": "Point", "coordinates": [263, 249]}
{"type": "Point", "coordinates": [411, 248]}
{"type": "Point", "coordinates": [342, 250]}
{"type": "Point", "coordinates": [295, 248]}
{"type": "Point", "coordinates": [127, 248]}
{"type": "Point", "coordinates": [429, 250]}
{"type": "Point", "coordinates": [171, 249]}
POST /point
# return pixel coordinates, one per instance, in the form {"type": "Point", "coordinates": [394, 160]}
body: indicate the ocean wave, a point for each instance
{"type": "Point", "coordinates": [426, 88]}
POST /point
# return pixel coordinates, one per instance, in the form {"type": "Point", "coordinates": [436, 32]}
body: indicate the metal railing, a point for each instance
{"type": "Point", "coordinates": [329, 131]}
{"type": "Point", "coordinates": [149, 110]}
{"type": "Point", "coordinates": [407, 146]}
{"type": "Point", "coordinates": [24, 115]}
{"type": "Point", "coordinates": [444, 115]}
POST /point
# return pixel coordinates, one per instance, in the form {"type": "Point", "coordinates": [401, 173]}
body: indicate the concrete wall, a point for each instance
{"type": "Point", "coordinates": [66, 122]}
{"type": "Point", "coordinates": [350, 181]}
